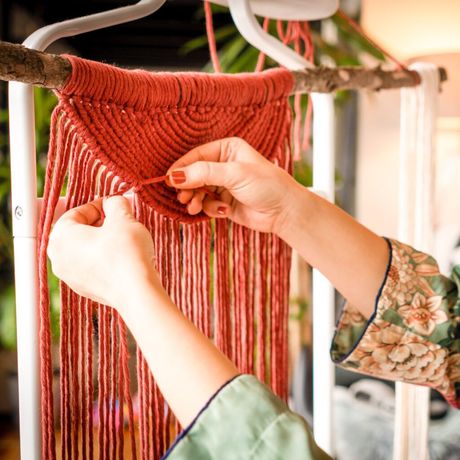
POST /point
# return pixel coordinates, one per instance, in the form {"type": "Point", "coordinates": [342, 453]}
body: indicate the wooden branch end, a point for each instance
{"type": "Point", "coordinates": [18, 63]}
{"type": "Point", "coordinates": [329, 79]}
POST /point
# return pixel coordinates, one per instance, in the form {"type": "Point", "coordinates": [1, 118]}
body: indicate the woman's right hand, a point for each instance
{"type": "Point", "coordinates": [253, 191]}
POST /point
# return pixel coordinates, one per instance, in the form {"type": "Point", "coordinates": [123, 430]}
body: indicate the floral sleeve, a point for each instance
{"type": "Point", "coordinates": [414, 332]}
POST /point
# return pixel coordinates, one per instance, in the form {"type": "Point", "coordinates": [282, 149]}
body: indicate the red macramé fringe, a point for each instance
{"type": "Point", "coordinates": [115, 129]}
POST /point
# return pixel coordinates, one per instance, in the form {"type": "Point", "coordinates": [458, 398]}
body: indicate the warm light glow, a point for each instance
{"type": "Point", "coordinates": [449, 99]}
{"type": "Point", "coordinates": [420, 30]}
{"type": "Point", "coordinates": [408, 28]}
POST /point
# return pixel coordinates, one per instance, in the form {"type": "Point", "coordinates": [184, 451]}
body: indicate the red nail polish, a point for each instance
{"type": "Point", "coordinates": [221, 210]}
{"type": "Point", "coordinates": [178, 177]}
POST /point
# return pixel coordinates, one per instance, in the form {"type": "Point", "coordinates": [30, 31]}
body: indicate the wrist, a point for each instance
{"type": "Point", "coordinates": [297, 215]}
{"type": "Point", "coordinates": [140, 292]}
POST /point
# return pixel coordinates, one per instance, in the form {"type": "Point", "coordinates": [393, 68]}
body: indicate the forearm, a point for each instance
{"type": "Point", "coordinates": [352, 257]}
{"type": "Point", "coordinates": [187, 367]}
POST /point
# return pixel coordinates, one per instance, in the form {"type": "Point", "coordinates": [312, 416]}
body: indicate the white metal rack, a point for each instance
{"type": "Point", "coordinates": [416, 226]}
{"type": "Point", "coordinates": [25, 202]}
{"type": "Point", "coordinates": [25, 205]}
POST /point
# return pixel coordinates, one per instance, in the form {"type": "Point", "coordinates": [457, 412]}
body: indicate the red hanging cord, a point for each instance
{"type": "Point", "coordinates": [211, 38]}
{"type": "Point", "coordinates": [156, 180]}
{"type": "Point", "coordinates": [357, 28]}
{"type": "Point", "coordinates": [261, 58]}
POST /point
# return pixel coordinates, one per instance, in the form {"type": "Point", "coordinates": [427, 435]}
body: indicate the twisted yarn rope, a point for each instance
{"type": "Point", "coordinates": [296, 33]}
{"type": "Point", "coordinates": [115, 130]}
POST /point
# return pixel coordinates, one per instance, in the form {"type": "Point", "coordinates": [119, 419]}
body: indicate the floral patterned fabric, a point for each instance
{"type": "Point", "coordinates": [414, 333]}
{"type": "Point", "coordinates": [413, 336]}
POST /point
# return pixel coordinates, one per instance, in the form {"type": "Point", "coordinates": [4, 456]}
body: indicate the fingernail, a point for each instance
{"type": "Point", "coordinates": [178, 177]}
{"type": "Point", "coordinates": [221, 210]}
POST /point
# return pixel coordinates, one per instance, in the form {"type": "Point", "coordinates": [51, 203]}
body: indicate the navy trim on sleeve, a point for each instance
{"type": "Point", "coordinates": [372, 317]}
{"type": "Point", "coordinates": [190, 426]}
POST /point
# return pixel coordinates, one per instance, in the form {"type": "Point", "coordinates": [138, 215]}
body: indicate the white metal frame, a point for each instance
{"type": "Point", "coordinates": [323, 298]}
{"type": "Point", "coordinates": [417, 164]}
{"type": "Point", "coordinates": [25, 205]}
{"type": "Point", "coordinates": [323, 183]}
{"type": "Point", "coordinates": [291, 10]}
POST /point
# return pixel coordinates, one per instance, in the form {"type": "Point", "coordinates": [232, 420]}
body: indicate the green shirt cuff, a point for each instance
{"type": "Point", "coordinates": [245, 420]}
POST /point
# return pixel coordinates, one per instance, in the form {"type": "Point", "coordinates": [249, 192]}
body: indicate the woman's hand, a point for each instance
{"type": "Point", "coordinates": [259, 195]}
{"type": "Point", "coordinates": [101, 251]}
{"type": "Point", "coordinates": [253, 191]}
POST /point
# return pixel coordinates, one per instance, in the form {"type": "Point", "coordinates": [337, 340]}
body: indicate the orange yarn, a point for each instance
{"type": "Point", "coordinates": [211, 37]}
{"type": "Point", "coordinates": [115, 130]}
{"type": "Point", "coordinates": [296, 33]}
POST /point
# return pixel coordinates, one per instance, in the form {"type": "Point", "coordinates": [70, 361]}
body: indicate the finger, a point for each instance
{"type": "Point", "coordinates": [184, 196]}
{"type": "Point", "coordinates": [219, 150]}
{"type": "Point", "coordinates": [203, 173]}
{"type": "Point", "coordinates": [117, 207]}
{"type": "Point", "coordinates": [226, 197]}
{"type": "Point", "coordinates": [217, 209]}
{"type": "Point", "coordinates": [195, 206]}
{"type": "Point", "coordinates": [222, 150]}
{"type": "Point", "coordinates": [86, 214]}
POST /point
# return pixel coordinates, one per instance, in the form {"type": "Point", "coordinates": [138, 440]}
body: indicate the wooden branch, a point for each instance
{"type": "Point", "coordinates": [18, 63]}
{"type": "Point", "coordinates": [329, 79]}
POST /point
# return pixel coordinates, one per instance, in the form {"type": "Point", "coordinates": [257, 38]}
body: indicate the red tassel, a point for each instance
{"type": "Point", "coordinates": [126, 386]}
{"type": "Point", "coordinates": [221, 296]}
{"type": "Point", "coordinates": [224, 277]}
{"type": "Point", "coordinates": [89, 377]}
{"type": "Point", "coordinates": [261, 58]}
{"type": "Point", "coordinates": [261, 251]}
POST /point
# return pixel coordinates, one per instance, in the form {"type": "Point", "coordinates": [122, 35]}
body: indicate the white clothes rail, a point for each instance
{"type": "Point", "coordinates": [416, 225]}
{"type": "Point", "coordinates": [25, 205]}
{"type": "Point", "coordinates": [323, 298]}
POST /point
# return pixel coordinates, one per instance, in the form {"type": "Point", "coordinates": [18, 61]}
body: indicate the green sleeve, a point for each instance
{"type": "Point", "coordinates": [414, 332]}
{"type": "Point", "coordinates": [245, 420]}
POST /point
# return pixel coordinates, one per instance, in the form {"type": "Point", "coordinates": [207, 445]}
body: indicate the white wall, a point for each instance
{"type": "Point", "coordinates": [377, 174]}
{"type": "Point", "coordinates": [378, 148]}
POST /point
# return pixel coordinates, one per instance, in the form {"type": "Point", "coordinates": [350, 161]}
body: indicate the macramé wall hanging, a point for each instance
{"type": "Point", "coordinates": [112, 130]}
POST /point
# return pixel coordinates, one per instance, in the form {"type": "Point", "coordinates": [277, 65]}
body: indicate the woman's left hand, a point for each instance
{"type": "Point", "coordinates": [101, 251]}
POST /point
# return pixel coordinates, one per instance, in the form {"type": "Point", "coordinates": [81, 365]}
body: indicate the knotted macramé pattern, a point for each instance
{"type": "Point", "coordinates": [112, 130]}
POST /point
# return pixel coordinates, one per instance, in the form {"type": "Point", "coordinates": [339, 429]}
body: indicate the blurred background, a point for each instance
{"type": "Point", "coordinates": [366, 177]}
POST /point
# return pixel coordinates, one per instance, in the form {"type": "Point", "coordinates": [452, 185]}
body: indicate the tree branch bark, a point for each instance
{"type": "Point", "coordinates": [18, 63]}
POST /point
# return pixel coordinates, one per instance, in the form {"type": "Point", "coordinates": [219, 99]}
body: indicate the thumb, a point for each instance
{"type": "Point", "coordinates": [203, 173]}
{"type": "Point", "coordinates": [117, 207]}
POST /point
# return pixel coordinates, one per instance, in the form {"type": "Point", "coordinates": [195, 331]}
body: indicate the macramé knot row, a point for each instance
{"type": "Point", "coordinates": [116, 130]}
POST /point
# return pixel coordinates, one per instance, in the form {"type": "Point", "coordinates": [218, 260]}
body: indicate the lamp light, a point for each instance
{"type": "Point", "coordinates": [420, 30]}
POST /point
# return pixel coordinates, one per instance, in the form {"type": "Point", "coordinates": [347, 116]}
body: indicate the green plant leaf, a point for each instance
{"type": "Point", "coordinates": [230, 51]}
{"type": "Point", "coordinates": [202, 41]}
{"type": "Point", "coordinates": [7, 319]}
{"type": "Point", "coordinates": [352, 38]}
{"type": "Point", "coordinates": [245, 61]}
{"type": "Point", "coordinates": [55, 304]}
